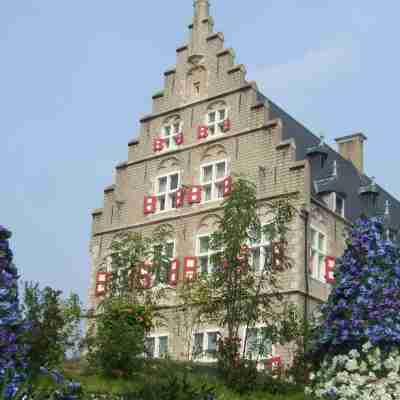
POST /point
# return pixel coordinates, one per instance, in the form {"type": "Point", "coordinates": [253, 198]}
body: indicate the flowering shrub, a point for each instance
{"type": "Point", "coordinates": [368, 374]}
{"type": "Point", "coordinates": [357, 339]}
{"type": "Point", "coordinates": [365, 301]}
{"type": "Point", "coordinates": [12, 351]}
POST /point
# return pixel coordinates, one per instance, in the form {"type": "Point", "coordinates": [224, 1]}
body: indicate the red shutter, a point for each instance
{"type": "Point", "coordinates": [274, 363]}
{"type": "Point", "coordinates": [227, 186]}
{"type": "Point", "coordinates": [150, 204]}
{"type": "Point", "coordinates": [278, 254]}
{"type": "Point", "coordinates": [180, 198]}
{"type": "Point", "coordinates": [227, 125]}
{"type": "Point", "coordinates": [101, 283]}
{"type": "Point", "coordinates": [158, 144]}
{"type": "Point", "coordinates": [329, 269]}
{"type": "Point", "coordinates": [190, 268]}
{"type": "Point", "coordinates": [202, 131]}
{"type": "Point", "coordinates": [174, 272]}
{"type": "Point", "coordinates": [179, 138]}
{"type": "Point", "coordinates": [194, 194]}
{"type": "Point", "coordinates": [145, 275]}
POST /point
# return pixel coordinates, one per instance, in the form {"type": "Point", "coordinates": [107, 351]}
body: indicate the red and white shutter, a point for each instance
{"type": "Point", "coordinates": [227, 186]}
{"type": "Point", "coordinates": [145, 275]}
{"type": "Point", "coordinates": [101, 283]}
{"type": "Point", "coordinates": [194, 194]}
{"type": "Point", "coordinates": [158, 144]}
{"type": "Point", "coordinates": [179, 139]}
{"type": "Point", "coordinates": [174, 272]}
{"type": "Point", "coordinates": [274, 364]}
{"type": "Point", "coordinates": [190, 268]}
{"type": "Point", "coordinates": [227, 125]}
{"type": "Point", "coordinates": [329, 269]}
{"type": "Point", "coordinates": [202, 131]}
{"type": "Point", "coordinates": [150, 204]}
{"type": "Point", "coordinates": [180, 198]}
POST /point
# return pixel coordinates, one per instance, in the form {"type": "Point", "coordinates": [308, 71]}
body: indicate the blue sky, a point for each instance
{"type": "Point", "coordinates": [76, 76]}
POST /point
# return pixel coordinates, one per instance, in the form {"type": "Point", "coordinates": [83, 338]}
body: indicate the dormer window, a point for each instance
{"type": "Point", "coordinates": [335, 202]}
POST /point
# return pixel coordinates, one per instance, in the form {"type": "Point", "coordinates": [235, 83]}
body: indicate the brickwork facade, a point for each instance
{"type": "Point", "coordinates": [206, 79]}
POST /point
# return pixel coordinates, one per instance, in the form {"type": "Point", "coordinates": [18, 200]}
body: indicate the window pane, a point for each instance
{"type": "Point", "coordinates": [161, 203]}
{"type": "Point", "coordinates": [207, 173]}
{"type": "Point", "coordinates": [314, 239]}
{"type": "Point", "coordinates": [212, 341]}
{"type": "Point", "coordinates": [265, 344]}
{"type": "Point", "coordinates": [221, 170]}
{"type": "Point", "coordinates": [176, 127]}
{"type": "Point", "coordinates": [167, 143]}
{"type": "Point", "coordinates": [204, 244]}
{"type": "Point", "coordinates": [162, 184]}
{"type": "Point", "coordinates": [255, 259]}
{"type": "Point", "coordinates": [167, 130]}
{"type": "Point", "coordinates": [321, 243]}
{"type": "Point", "coordinates": [174, 181]}
{"type": "Point", "coordinates": [321, 266]}
{"type": "Point", "coordinates": [207, 193]}
{"type": "Point", "coordinates": [211, 117]}
{"type": "Point", "coordinates": [211, 130]}
{"type": "Point", "coordinates": [163, 346]}
{"type": "Point", "coordinates": [149, 347]}
{"type": "Point", "coordinates": [221, 115]}
{"type": "Point", "coordinates": [198, 344]}
{"type": "Point", "coordinates": [339, 205]}
{"type": "Point", "coordinates": [252, 343]}
{"type": "Point", "coordinates": [220, 190]}
{"type": "Point", "coordinates": [169, 250]}
{"type": "Point", "coordinates": [203, 265]}
{"type": "Point", "coordinates": [173, 200]}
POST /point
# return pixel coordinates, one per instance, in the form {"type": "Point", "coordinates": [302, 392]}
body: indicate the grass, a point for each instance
{"type": "Point", "coordinates": [197, 374]}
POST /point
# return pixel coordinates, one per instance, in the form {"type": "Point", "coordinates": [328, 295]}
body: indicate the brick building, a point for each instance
{"type": "Point", "coordinates": [207, 124]}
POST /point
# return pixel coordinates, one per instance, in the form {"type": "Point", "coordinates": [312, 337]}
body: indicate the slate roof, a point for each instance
{"type": "Point", "coordinates": [348, 181]}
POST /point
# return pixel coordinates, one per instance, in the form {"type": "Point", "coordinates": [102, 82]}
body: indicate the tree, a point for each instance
{"type": "Point", "coordinates": [358, 334]}
{"type": "Point", "coordinates": [12, 328]}
{"type": "Point", "coordinates": [138, 280]}
{"type": "Point", "coordinates": [54, 325]}
{"type": "Point", "coordinates": [235, 294]}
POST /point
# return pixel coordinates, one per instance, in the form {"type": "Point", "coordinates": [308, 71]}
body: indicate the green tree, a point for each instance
{"type": "Point", "coordinates": [54, 325]}
{"type": "Point", "coordinates": [236, 295]}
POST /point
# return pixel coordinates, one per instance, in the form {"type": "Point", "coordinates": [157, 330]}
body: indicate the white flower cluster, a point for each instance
{"type": "Point", "coordinates": [365, 375]}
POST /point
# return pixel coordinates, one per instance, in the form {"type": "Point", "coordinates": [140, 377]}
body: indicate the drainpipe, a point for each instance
{"type": "Point", "coordinates": [305, 216]}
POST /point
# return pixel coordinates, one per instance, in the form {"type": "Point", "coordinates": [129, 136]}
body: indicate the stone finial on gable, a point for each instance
{"type": "Point", "coordinates": [201, 10]}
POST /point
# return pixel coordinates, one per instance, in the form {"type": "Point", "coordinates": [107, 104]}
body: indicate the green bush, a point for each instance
{"type": "Point", "coordinates": [116, 344]}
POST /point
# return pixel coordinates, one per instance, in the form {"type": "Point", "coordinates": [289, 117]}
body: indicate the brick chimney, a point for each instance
{"type": "Point", "coordinates": [351, 148]}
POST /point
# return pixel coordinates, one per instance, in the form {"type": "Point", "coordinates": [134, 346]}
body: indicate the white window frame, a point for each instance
{"type": "Point", "coordinates": [263, 245]}
{"type": "Point", "coordinates": [169, 140]}
{"type": "Point", "coordinates": [168, 194]}
{"type": "Point", "coordinates": [318, 266]}
{"type": "Point", "coordinates": [259, 358]}
{"type": "Point", "coordinates": [216, 128]}
{"type": "Point", "coordinates": [204, 356]}
{"type": "Point", "coordinates": [156, 338]}
{"type": "Point", "coordinates": [209, 254]}
{"type": "Point", "coordinates": [216, 184]}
